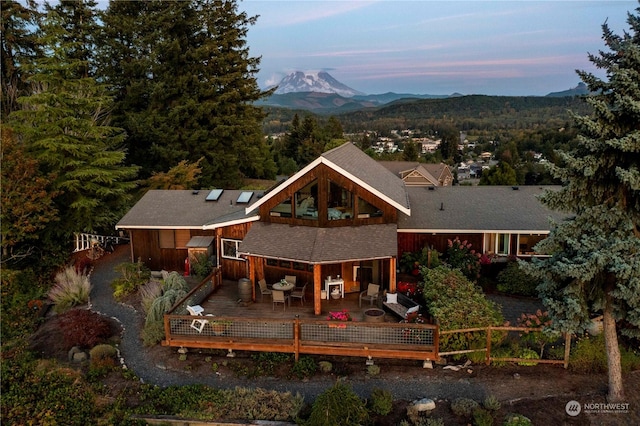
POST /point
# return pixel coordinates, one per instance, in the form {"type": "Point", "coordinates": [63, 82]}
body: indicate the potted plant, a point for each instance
{"type": "Point", "coordinates": [339, 317]}
{"type": "Point", "coordinates": [220, 326]}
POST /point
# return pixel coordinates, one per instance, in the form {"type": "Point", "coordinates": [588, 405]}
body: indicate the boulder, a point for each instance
{"type": "Point", "coordinates": [424, 404]}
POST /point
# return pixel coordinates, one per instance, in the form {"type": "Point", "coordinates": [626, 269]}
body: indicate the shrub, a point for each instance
{"type": "Point", "coordinates": [83, 328]}
{"type": "Point", "coordinates": [304, 367]}
{"type": "Point", "coordinates": [153, 331]}
{"type": "Point", "coordinates": [381, 402]}
{"type": "Point", "coordinates": [482, 417]}
{"type": "Point", "coordinates": [102, 351]}
{"type": "Point", "coordinates": [148, 293]}
{"type": "Point", "coordinates": [133, 275]}
{"type": "Point", "coordinates": [491, 403]}
{"type": "Point", "coordinates": [201, 265]}
{"type": "Point", "coordinates": [102, 358]}
{"type": "Point", "coordinates": [515, 280]}
{"type": "Point", "coordinates": [464, 406]}
{"type": "Point", "coordinates": [539, 339]}
{"type": "Point", "coordinates": [590, 356]}
{"type": "Point", "coordinates": [461, 256]}
{"type": "Point", "coordinates": [456, 303]}
{"type": "Point", "coordinates": [517, 420]}
{"type": "Point", "coordinates": [17, 289]}
{"type": "Point", "coordinates": [338, 405]}
{"type": "Point", "coordinates": [70, 289]}
{"type": "Point", "coordinates": [175, 281]}
{"type": "Point", "coordinates": [527, 353]}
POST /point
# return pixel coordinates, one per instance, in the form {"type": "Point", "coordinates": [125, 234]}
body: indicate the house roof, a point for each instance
{"type": "Point", "coordinates": [477, 209]}
{"type": "Point", "coordinates": [351, 162]}
{"type": "Point", "coordinates": [431, 172]}
{"type": "Point", "coordinates": [184, 209]}
{"type": "Point", "coordinates": [320, 245]}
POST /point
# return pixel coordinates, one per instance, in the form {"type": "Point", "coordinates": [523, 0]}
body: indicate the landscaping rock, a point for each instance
{"type": "Point", "coordinates": [424, 404]}
{"type": "Point", "coordinates": [80, 357]}
{"type": "Point", "coordinates": [72, 352]}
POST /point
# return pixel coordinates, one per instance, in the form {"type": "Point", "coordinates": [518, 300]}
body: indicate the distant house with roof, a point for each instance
{"type": "Point", "coordinates": [414, 173]}
{"type": "Point", "coordinates": [343, 215]}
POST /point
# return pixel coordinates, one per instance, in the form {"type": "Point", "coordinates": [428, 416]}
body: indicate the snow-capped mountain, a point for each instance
{"type": "Point", "coordinates": [320, 82]}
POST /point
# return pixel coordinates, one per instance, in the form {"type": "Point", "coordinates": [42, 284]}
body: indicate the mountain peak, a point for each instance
{"type": "Point", "coordinates": [314, 81]}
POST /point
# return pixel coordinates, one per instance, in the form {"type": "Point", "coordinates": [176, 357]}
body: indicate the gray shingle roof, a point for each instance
{"type": "Point", "coordinates": [184, 209]}
{"type": "Point", "coordinates": [320, 245]}
{"type": "Point", "coordinates": [477, 208]}
{"type": "Point", "coordinates": [355, 162]}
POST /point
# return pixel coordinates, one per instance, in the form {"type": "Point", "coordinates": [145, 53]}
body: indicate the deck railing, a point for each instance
{"type": "Point", "coordinates": [302, 336]}
{"type": "Point", "coordinates": [199, 292]}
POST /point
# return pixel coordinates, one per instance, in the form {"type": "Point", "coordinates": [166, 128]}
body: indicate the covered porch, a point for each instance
{"type": "Point", "coordinates": [349, 258]}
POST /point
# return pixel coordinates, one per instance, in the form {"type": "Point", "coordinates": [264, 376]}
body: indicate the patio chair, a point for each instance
{"type": "Point", "coordinates": [298, 293]}
{"type": "Point", "coordinates": [370, 294]}
{"type": "Point", "coordinates": [279, 297]}
{"type": "Point", "coordinates": [263, 288]}
{"type": "Point", "coordinates": [291, 279]}
{"type": "Point", "coordinates": [197, 324]}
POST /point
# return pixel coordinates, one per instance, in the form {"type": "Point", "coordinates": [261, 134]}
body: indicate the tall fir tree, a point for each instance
{"type": "Point", "coordinates": [18, 31]}
{"type": "Point", "coordinates": [185, 86]}
{"type": "Point", "coordinates": [64, 124]}
{"type": "Point", "coordinates": [595, 261]}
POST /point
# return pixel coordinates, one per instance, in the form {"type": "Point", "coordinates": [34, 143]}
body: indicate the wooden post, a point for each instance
{"type": "Point", "coordinates": [392, 275]}
{"type": "Point", "coordinates": [252, 276]}
{"type": "Point", "coordinates": [488, 354]}
{"type": "Point", "coordinates": [567, 349]}
{"type": "Point", "coordinates": [296, 337]}
{"type": "Point", "coordinates": [317, 287]}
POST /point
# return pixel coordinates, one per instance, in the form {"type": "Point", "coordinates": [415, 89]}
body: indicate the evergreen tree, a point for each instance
{"type": "Point", "coordinates": [19, 47]}
{"type": "Point", "coordinates": [64, 124]}
{"type": "Point", "coordinates": [449, 138]}
{"type": "Point", "coordinates": [187, 87]}
{"type": "Point", "coordinates": [595, 262]}
{"type": "Point", "coordinates": [501, 174]}
{"type": "Point", "coordinates": [410, 152]}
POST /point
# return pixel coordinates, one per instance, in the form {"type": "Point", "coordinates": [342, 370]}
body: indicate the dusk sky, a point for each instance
{"type": "Point", "coordinates": [434, 47]}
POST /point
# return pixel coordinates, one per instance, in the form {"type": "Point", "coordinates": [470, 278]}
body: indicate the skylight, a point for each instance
{"type": "Point", "coordinates": [214, 195]}
{"type": "Point", "coordinates": [244, 197]}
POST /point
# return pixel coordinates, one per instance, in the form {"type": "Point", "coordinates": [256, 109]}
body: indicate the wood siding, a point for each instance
{"type": "Point", "coordinates": [413, 242]}
{"type": "Point", "coordinates": [145, 245]}
{"type": "Point", "coordinates": [323, 174]}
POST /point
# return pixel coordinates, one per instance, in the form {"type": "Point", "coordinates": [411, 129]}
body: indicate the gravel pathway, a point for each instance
{"type": "Point", "coordinates": [134, 356]}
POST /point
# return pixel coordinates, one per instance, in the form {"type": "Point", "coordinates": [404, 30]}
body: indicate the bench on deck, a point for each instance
{"type": "Point", "coordinates": [401, 305]}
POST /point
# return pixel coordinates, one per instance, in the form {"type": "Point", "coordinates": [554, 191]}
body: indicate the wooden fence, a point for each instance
{"type": "Point", "coordinates": [487, 348]}
{"type": "Point", "coordinates": [302, 336]}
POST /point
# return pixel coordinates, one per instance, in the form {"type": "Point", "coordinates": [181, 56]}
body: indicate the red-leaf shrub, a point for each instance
{"type": "Point", "coordinates": [83, 328]}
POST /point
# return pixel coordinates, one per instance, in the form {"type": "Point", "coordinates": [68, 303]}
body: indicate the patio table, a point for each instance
{"type": "Point", "coordinates": [283, 287]}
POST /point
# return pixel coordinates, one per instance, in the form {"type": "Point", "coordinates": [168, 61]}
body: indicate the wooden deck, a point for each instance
{"type": "Point", "coordinates": [224, 302]}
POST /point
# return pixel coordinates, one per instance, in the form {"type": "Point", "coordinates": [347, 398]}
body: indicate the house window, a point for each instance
{"type": "Point", "coordinates": [230, 249]}
{"type": "Point", "coordinates": [366, 209]}
{"type": "Point", "coordinates": [182, 237]}
{"type": "Point", "coordinates": [340, 202]}
{"type": "Point", "coordinates": [166, 239]}
{"type": "Point", "coordinates": [282, 210]}
{"type": "Point", "coordinates": [497, 243]}
{"type": "Point", "coordinates": [173, 238]}
{"type": "Point", "coordinates": [526, 242]}
{"type": "Point", "coordinates": [307, 202]}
